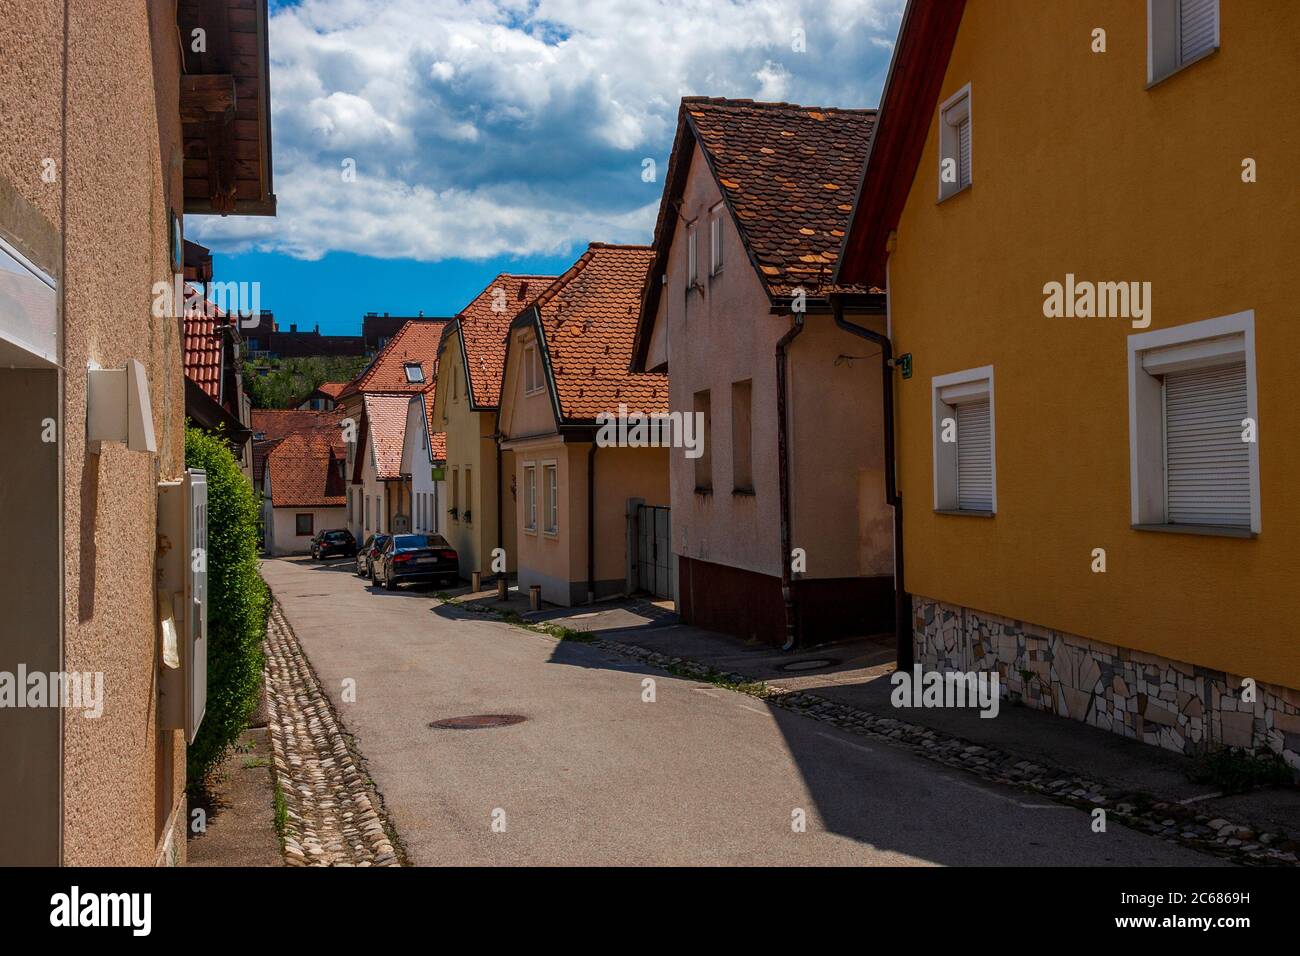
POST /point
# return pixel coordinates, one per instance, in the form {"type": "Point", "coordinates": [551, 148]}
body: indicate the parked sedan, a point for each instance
{"type": "Point", "coordinates": [368, 553]}
{"type": "Point", "coordinates": [408, 558]}
{"type": "Point", "coordinates": [338, 541]}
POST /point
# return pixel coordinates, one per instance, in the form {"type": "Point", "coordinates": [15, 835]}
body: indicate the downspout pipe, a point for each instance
{"type": "Point", "coordinates": [591, 522]}
{"type": "Point", "coordinates": [783, 478]}
{"type": "Point", "coordinates": [500, 526]}
{"type": "Point", "coordinates": [902, 601]}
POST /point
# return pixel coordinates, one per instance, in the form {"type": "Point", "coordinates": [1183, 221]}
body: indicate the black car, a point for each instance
{"type": "Point", "coordinates": [369, 554]}
{"type": "Point", "coordinates": [415, 557]}
{"type": "Point", "coordinates": [338, 541]}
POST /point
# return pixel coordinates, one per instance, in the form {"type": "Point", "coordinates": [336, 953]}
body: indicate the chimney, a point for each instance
{"type": "Point", "coordinates": [293, 326]}
{"type": "Point", "coordinates": [523, 290]}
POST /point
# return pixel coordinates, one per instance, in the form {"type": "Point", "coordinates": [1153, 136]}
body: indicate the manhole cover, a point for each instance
{"type": "Point", "coordinates": [477, 721]}
{"type": "Point", "coordinates": [811, 664]}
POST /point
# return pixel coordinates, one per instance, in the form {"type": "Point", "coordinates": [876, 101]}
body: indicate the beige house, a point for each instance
{"type": "Point", "coordinates": [373, 412]}
{"type": "Point", "coordinates": [478, 508]}
{"type": "Point", "coordinates": [580, 502]}
{"type": "Point", "coordinates": [105, 128]}
{"type": "Point", "coordinates": [781, 527]}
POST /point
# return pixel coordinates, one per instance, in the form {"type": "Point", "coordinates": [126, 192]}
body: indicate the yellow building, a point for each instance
{"type": "Point", "coordinates": [1089, 226]}
{"type": "Point", "coordinates": [480, 510]}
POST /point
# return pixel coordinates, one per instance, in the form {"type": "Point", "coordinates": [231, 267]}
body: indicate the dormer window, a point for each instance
{"type": "Point", "coordinates": [414, 374]}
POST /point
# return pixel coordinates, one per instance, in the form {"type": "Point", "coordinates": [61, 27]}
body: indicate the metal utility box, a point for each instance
{"type": "Point", "coordinates": [182, 590]}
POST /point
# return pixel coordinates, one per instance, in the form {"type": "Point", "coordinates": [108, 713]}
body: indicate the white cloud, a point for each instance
{"type": "Point", "coordinates": [482, 128]}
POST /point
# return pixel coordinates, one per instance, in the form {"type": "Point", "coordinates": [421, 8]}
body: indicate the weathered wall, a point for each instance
{"type": "Point", "coordinates": [1078, 168]}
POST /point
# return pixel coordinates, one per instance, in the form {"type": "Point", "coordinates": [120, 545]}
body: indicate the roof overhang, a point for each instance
{"type": "Point", "coordinates": [225, 107]}
{"type": "Point", "coordinates": [916, 72]}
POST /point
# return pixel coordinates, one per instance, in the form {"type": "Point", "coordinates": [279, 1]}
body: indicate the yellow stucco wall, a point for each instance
{"type": "Point", "coordinates": [1077, 168]}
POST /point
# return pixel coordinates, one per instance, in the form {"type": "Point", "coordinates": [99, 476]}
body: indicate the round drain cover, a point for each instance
{"type": "Point", "coordinates": [811, 664]}
{"type": "Point", "coordinates": [477, 721]}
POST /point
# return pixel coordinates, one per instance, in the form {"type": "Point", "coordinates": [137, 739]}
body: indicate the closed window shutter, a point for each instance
{"type": "Point", "coordinates": [1196, 27]}
{"type": "Point", "coordinates": [963, 150]}
{"type": "Point", "coordinates": [1207, 465]}
{"type": "Point", "coordinates": [974, 457]}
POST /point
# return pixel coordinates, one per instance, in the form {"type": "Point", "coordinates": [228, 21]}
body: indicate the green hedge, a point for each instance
{"type": "Point", "coordinates": [238, 602]}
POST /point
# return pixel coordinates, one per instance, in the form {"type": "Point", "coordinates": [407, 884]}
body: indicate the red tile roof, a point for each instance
{"type": "Point", "coordinates": [788, 174]}
{"type": "Point", "coordinates": [589, 318]}
{"type": "Point", "coordinates": [276, 423]}
{"type": "Point", "coordinates": [202, 346]}
{"type": "Point", "coordinates": [483, 326]}
{"type": "Point", "coordinates": [332, 389]}
{"type": "Point", "coordinates": [416, 341]}
{"type": "Point", "coordinates": [306, 472]}
{"type": "Point", "coordinates": [437, 440]}
{"type": "Point", "coordinates": [386, 420]}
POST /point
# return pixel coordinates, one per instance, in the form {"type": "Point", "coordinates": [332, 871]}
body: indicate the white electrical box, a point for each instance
{"type": "Point", "coordinates": [183, 602]}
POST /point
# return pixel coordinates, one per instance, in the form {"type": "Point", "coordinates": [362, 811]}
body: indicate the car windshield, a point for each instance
{"type": "Point", "coordinates": [413, 542]}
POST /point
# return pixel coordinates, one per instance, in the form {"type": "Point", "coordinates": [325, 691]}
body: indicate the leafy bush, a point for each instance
{"type": "Point", "coordinates": [238, 602]}
{"type": "Point", "coordinates": [283, 383]}
{"type": "Point", "coordinates": [1236, 771]}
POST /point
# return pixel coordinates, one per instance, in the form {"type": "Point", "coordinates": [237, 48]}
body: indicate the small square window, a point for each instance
{"type": "Point", "coordinates": [965, 465]}
{"type": "Point", "coordinates": [955, 144]}
{"type": "Point", "coordinates": [304, 525]}
{"type": "Point", "coordinates": [414, 374]}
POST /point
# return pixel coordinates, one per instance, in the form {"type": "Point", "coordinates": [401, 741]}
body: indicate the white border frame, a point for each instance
{"type": "Point", "coordinates": [970, 376]}
{"type": "Point", "coordinates": [1140, 491]}
{"type": "Point", "coordinates": [947, 104]}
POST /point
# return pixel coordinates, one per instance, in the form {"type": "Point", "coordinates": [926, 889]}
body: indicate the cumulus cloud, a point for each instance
{"type": "Point", "coordinates": [479, 128]}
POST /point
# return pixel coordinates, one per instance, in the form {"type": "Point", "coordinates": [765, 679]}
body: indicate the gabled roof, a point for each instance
{"type": "Point", "coordinates": [414, 342]}
{"type": "Point", "coordinates": [483, 326]}
{"type": "Point", "coordinates": [786, 173]}
{"type": "Point", "coordinates": [272, 424]}
{"type": "Point", "coordinates": [332, 389]}
{"type": "Point", "coordinates": [385, 429]}
{"type": "Point", "coordinates": [916, 72]}
{"type": "Point", "coordinates": [305, 472]}
{"type": "Point", "coordinates": [202, 346]}
{"type": "Point", "coordinates": [588, 319]}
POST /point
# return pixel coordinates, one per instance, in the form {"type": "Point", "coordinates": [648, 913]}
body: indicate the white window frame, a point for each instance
{"type": "Point", "coordinates": [551, 472]}
{"type": "Point", "coordinates": [534, 380]}
{"type": "Point", "coordinates": [959, 102]}
{"type": "Point", "coordinates": [417, 368]}
{"type": "Point", "coordinates": [715, 238]}
{"type": "Point", "coordinates": [1201, 344]}
{"type": "Point", "coordinates": [1164, 51]}
{"type": "Point", "coordinates": [530, 497]}
{"type": "Point", "coordinates": [692, 256]}
{"type": "Point", "coordinates": [946, 392]}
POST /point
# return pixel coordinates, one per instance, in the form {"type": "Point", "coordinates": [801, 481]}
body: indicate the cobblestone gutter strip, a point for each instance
{"type": "Point", "coordinates": [1169, 821]}
{"type": "Point", "coordinates": [333, 816]}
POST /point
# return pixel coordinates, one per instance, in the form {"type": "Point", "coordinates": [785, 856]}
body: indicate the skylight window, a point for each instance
{"type": "Point", "coordinates": [414, 374]}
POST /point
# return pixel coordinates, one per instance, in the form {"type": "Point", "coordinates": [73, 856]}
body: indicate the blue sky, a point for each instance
{"type": "Point", "coordinates": [423, 146]}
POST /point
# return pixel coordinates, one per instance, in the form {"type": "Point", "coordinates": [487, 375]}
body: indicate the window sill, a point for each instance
{"type": "Point", "coordinates": [553, 535]}
{"type": "Point", "coordinates": [532, 531]}
{"type": "Point", "coordinates": [1182, 66]}
{"type": "Point", "coordinates": [1208, 530]}
{"type": "Point", "coordinates": [955, 193]}
{"type": "Point", "coordinates": [708, 492]}
{"type": "Point", "coordinates": [963, 513]}
{"type": "Point", "coordinates": [742, 492]}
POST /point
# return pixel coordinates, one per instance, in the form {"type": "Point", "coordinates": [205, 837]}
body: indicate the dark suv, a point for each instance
{"type": "Point", "coordinates": [339, 542]}
{"type": "Point", "coordinates": [415, 557]}
{"type": "Point", "coordinates": [368, 553]}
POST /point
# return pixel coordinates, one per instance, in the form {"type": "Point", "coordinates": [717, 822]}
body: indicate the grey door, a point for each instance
{"type": "Point", "coordinates": [654, 552]}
